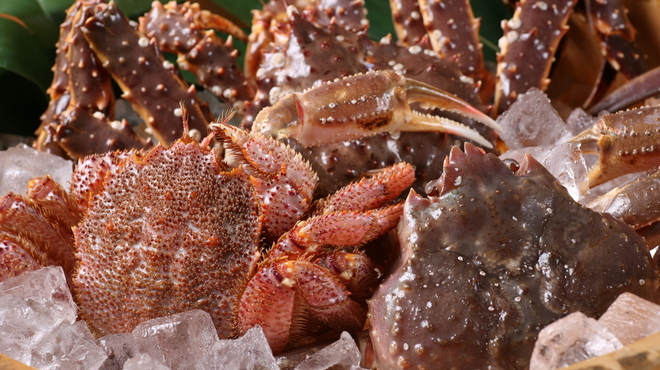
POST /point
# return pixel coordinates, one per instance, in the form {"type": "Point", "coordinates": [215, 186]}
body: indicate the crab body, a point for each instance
{"type": "Point", "coordinates": [491, 257]}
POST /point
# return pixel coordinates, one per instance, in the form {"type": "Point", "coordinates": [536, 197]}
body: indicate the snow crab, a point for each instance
{"type": "Point", "coordinates": [150, 233]}
{"type": "Point", "coordinates": [493, 254]}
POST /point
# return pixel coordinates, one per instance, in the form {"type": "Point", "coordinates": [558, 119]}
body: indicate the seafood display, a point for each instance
{"type": "Point", "coordinates": [361, 191]}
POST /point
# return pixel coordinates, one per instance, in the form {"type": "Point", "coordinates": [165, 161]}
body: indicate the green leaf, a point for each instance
{"type": "Point", "coordinates": [21, 52]}
{"type": "Point", "coordinates": [39, 24]}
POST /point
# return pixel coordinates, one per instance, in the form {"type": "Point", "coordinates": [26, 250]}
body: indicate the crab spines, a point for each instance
{"type": "Point", "coordinates": [156, 95]}
{"type": "Point", "coordinates": [284, 181]}
{"type": "Point", "coordinates": [370, 192]}
{"type": "Point", "coordinates": [284, 291]}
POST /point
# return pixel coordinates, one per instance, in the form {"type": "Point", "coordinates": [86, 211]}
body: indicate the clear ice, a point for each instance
{"type": "Point", "coordinates": [20, 164]}
{"type": "Point", "coordinates": [38, 324]}
{"type": "Point", "coordinates": [532, 121]}
{"type": "Point", "coordinates": [571, 339]}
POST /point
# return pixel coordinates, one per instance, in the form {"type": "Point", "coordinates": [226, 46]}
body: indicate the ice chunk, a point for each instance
{"type": "Point", "coordinates": [631, 318]}
{"type": "Point", "coordinates": [21, 163]}
{"type": "Point", "coordinates": [119, 348]}
{"type": "Point", "coordinates": [68, 347]}
{"type": "Point", "coordinates": [571, 339]}
{"type": "Point", "coordinates": [250, 351]}
{"type": "Point", "coordinates": [144, 362]}
{"type": "Point", "coordinates": [532, 121]}
{"type": "Point", "coordinates": [180, 341]}
{"type": "Point", "coordinates": [37, 323]}
{"type": "Point", "coordinates": [564, 161]}
{"type": "Point", "coordinates": [47, 285]}
{"type": "Point", "coordinates": [340, 355]}
{"type": "Point", "coordinates": [579, 120]}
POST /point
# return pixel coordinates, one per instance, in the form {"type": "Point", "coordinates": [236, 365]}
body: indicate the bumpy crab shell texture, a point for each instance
{"type": "Point", "coordinates": [154, 214]}
{"type": "Point", "coordinates": [491, 260]}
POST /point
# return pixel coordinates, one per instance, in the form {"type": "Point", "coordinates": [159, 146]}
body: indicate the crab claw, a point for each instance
{"type": "Point", "coordinates": [364, 105]}
{"type": "Point", "coordinates": [625, 142]}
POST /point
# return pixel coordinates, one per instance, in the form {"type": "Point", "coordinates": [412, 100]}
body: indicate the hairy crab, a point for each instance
{"type": "Point", "coordinates": [176, 228]}
{"type": "Point", "coordinates": [491, 256]}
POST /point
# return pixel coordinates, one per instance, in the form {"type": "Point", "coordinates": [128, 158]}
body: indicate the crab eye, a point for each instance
{"type": "Point", "coordinates": [511, 164]}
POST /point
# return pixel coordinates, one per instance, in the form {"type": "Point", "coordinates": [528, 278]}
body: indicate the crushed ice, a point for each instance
{"type": "Point", "coordinates": [38, 327]}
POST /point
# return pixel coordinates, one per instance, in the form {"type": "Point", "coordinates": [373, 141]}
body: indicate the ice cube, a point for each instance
{"type": "Point", "coordinates": [144, 362]}
{"type": "Point", "coordinates": [571, 339]}
{"type": "Point", "coordinates": [180, 341]}
{"type": "Point", "coordinates": [631, 318]}
{"type": "Point", "coordinates": [579, 120]}
{"type": "Point", "coordinates": [47, 285]}
{"type": "Point", "coordinates": [68, 346]}
{"type": "Point", "coordinates": [251, 351]}
{"type": "Point", "coordinates": [119, 348]}
{"type": "Point", "coordinates": [37, 323]}
{"type": "Point", "coordinates": [564, 161]}
{"type": "Point", "coordinates": [532, 121]}
{"type": "Point", "coordinates": [21, 163]}
{"type": "Point", "coordinates": [340, 355]}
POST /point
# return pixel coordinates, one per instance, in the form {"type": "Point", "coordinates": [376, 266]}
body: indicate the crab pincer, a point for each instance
{"type": "Point", "coordinates": [364, 105]}
{"type": "Point", "coordinates": [625, 142]}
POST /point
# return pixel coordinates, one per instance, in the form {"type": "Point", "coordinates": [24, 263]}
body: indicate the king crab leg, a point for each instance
{"type": "Point", "coordinates": [408, 22]}
{"type": "Point", "coordinates": [528, 47]}
{"type": "Point", "coordinates": [612, 26]}
{"type": "Point", "coordinates": [180, 29]}
{"type": "Point", "coordinates": [336, 111]}
{"type": "Point", "coordinates": [150, 83]}
{"type": "Point", "coordinates": [624, 142]}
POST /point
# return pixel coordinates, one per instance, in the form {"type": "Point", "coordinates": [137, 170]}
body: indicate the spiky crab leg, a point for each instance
{"type": "Point", "coordinates": [324, 290]}
{"type": "Point", "coordinates": [79, 119]}
{"type": "Point", "coordinates": [408, 22]}
{"type": "Point", "coordinates": [270, 301]}
{"type": "Point", "coordinates": [616, 33]}
{"type": "Point", "coordinates": [151, 84]}
{"type": "Point", "coordinates": [179, 28]}
{"type": "Point", "coordinates": [624, 142]}
{"type": "Point", "coordinates": [284, 181]}
{"type": "Point", "coordinates": [454, 34]}
{"type": "Point", "coordinates": [364, 105]}
{"type": "Point", "coordinates": [527, 48]}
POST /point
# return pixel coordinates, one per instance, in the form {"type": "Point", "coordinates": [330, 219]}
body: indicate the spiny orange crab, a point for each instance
{"type": "Point", "coordinates": [177, 228]}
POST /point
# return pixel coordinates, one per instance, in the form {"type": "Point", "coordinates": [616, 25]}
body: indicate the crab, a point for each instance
{"type": "Point", "coordinates": [176, 228]}
{"type": "Point", "coordinates": [494, 253]}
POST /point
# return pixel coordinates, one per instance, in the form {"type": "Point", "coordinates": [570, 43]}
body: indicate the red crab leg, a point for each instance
{"type": "Point", "coordinates": [270, 301]}
{"type": "Point", "coordinates": [363, 105]}
{"type": "Point", "coordinates": [30, 220]}
{"type": "Point", "coordinates": [350, 217]}
{"type": "Point", "coordinates": [408, 22]}
{"type": "Point", "coordinates": [284, 181]}
{"type": "Point", "coordinates": [454, 34]}
{"type": "Point", "coordinates": [150, 83]}
{"type": "Point", "coordinates": [625, 142]}
{"type": "Point", "coordinates": [527, 48]}
{"type": "Point", "coordinates": [348, 14]}
{"type": "Point", "coordinates": [610, 21]}
{"type": "Point", "coordinates": [355, 270]}
{"type": "Point", "coordinates": [180, 29]}
{"type": "Point", "coordinates": [18, 255]}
